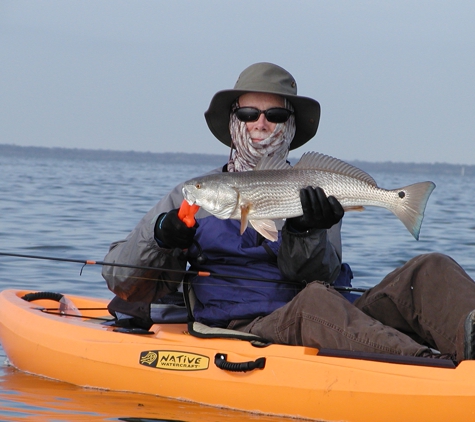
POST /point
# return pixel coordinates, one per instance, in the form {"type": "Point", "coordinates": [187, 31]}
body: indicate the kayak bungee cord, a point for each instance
{"type": "Point", "coordinates": [54, 311]}
{"type": "Point", "coordinates": [190, 272]}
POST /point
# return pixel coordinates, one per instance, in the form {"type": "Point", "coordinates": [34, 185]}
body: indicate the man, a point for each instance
{"type": "Point", "coordinates": [410, 313]}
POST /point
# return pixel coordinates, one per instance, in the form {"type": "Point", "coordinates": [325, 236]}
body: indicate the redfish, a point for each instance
{"type": "Point", "coordinates": [271, 192]}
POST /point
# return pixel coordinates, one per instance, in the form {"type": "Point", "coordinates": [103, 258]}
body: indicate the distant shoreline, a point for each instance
{"type": "Point", "coordinates": [10, 150]}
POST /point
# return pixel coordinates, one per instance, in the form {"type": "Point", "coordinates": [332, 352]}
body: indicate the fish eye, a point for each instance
{"type": "Point", "coordinates": [198, 186]}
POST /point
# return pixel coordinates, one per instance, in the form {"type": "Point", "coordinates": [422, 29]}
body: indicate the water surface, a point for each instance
{"type": "Point", "coordinates": [75, 208]}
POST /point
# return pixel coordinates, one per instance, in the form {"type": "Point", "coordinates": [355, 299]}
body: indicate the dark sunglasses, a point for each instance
{"type": "Point", "coordinates": [273, 115]}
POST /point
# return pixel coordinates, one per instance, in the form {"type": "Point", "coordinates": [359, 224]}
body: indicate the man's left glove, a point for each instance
{"type": "Point", "coordinates": [171, 232]}
{"type": "Point", "coordinates": [319, 211]}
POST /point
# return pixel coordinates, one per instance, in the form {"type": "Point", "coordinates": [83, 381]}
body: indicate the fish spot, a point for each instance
{"type": "Point", "coordinates": [401, 194]}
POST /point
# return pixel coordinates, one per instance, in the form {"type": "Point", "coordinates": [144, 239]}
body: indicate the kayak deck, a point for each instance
{"type": "Point", "coordinates": [293, 381]}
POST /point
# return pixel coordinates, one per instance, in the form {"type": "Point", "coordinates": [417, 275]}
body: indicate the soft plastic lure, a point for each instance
{"type": "Point", "coordinates": [187, 212]}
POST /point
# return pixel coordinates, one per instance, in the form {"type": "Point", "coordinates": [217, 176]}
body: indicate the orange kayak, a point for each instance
{"type": "Point", "coordinates": [75, 346]}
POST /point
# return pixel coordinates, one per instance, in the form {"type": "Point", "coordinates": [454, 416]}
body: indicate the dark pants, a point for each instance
{"type": "Point", "coordinates": [422, 304]}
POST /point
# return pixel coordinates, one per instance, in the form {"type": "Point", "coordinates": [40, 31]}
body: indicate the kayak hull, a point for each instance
{"type": "Point", "coordinates": [295, 381]}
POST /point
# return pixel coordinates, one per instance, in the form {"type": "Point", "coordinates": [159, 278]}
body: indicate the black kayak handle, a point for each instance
{"type": "Point", "coordinates": [220, 360]}
{"type": "Point", "coordinates": [30, 297]}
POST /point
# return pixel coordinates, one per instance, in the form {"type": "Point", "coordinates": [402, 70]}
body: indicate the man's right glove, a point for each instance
{"type": "Point", "coordinates": [171, 232]}
{"type": "Point", "coordinates": [319, 211]}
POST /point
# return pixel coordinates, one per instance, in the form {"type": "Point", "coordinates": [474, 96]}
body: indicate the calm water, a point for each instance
{"type": "Point", "coordinates": [76, 208]}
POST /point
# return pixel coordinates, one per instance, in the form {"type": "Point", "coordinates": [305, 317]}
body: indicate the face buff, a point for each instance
{"type": "Point", "coordinates": [247, 153]}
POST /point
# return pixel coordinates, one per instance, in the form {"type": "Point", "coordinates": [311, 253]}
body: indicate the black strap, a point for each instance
{"type": "Point", "coordinates": [186, 297]}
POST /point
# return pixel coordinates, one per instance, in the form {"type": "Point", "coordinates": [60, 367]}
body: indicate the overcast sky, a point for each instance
{"type": "Point", "coordinates": [395, 79]}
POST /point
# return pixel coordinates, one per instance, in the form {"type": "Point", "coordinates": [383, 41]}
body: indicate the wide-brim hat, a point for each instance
{"type": "Point", "coordinates": [271, 79]}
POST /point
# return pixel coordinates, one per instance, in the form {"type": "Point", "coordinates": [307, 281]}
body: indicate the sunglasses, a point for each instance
{"type": "Point", "coordinates": [273, 115]}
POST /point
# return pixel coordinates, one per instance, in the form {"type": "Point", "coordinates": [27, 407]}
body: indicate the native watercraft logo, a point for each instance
{"type": "Point", "coordinates": [173, 360]}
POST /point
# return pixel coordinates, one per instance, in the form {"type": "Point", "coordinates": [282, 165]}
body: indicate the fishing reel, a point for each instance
{"type": "Point", "coordinates": [201, 258]}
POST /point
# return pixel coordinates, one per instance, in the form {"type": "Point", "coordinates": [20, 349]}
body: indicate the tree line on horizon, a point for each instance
{"type": "Point", "coordinates": [215, 159]}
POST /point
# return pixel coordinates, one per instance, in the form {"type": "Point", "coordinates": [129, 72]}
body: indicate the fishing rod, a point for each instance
{"type": "Point", "coordinates": [190, 272]}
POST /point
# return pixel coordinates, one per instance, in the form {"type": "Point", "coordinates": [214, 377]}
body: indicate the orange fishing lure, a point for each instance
{"type": "Point", "coordinates": [187, 212]}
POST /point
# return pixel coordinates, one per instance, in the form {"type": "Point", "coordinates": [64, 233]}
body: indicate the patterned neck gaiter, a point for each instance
{"type": "Point", "coordinates": [247, 153]}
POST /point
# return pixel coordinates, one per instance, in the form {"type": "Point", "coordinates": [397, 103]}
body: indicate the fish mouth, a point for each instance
{"type": "Point", "coordinates": [188, 196]}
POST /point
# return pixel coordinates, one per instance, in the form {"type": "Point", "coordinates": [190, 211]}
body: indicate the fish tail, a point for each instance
{"type": "Point", "coordinates": [410, 210]}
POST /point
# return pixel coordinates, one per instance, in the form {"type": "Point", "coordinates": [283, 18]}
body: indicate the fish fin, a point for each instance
{"type": "Point", "coordinates": [318, 161]}
{"type": "Point", "coordinates": [354, 208]}
{"type": "Point", "coordinates": [274, 162]}
{"type": "Point", "coordinates": [266, 228]}
{"type": "Point", "coordinates": [412, 206]}
{"type": "Point", "coordinates": [244, 217]}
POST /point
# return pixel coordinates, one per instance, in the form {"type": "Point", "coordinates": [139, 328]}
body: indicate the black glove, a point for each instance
{"type": "Point", "coordinates": [319, 212]}
{"type": "Point", "coordinates": [171, 232]}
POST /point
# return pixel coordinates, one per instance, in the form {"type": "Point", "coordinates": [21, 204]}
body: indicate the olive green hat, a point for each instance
{"type": "Point", "coordinates": [271, 79]}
